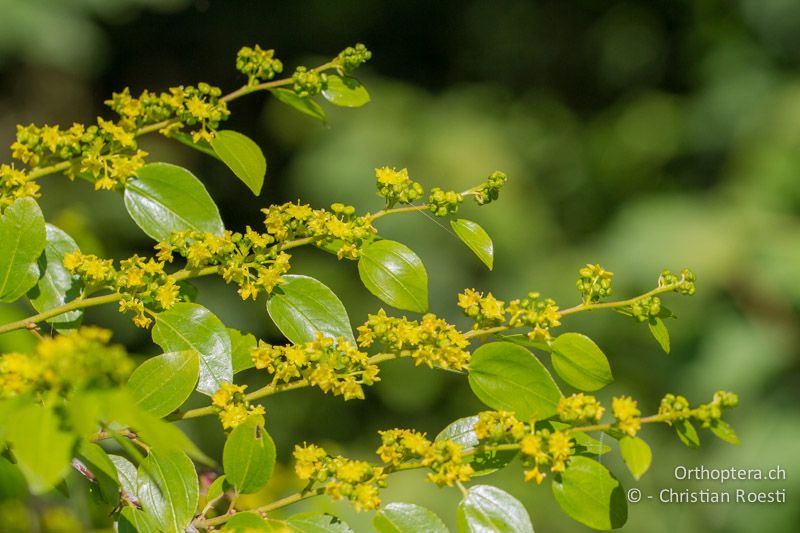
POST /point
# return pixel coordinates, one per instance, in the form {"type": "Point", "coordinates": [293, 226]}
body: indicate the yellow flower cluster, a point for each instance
{"type": "Point", "coordinates": [580, 407]}
{"type": "Point", "coordinates": [15, 184]}
{"type": "Point", "coordinates": [232, 405]}
{"type": "Point", "coordinates": [64, 363]}
{"type": "Point", "coordinates": [430, 341]}
{"type": "Point", "coordinates": [443, 457]}
{"type": "Point", "coordinates": [257, 64]}
{"type": "Point", "coordinates": [395, 186]}
{"type": "Point", "coordinates": [533, 312]}
{"type": "Point", "coordinates": [358, 481]}
{"type": "Point", "coordinates": [627, 415]}
{"type": "Point", "coordinates": [594, 283]}
{"type": "Point", "coordinates": [336, 367]}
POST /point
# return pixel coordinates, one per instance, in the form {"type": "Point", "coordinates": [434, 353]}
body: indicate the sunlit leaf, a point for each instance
{"type": "Point", "coordinates": [243, 157]}
{"type": "Point", "coordinates": [22, 241]}
{"type": "Point", "coordinates": [394, 273]}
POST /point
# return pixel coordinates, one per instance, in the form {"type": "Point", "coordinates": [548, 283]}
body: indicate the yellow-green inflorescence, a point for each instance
{"type": "Point", "coordinates": [232, 405]}
{"type": "Point", "coordinates": [532, 312]}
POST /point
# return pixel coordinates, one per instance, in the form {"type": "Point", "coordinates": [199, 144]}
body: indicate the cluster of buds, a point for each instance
{"type": "Point", "coordinates": [580, 408]}
{"type": "Point", "coordinates": [352, 57]}
{"type": "Point", "coordinates": [396, 187]}
{"type": "Point", "coordinates": [594, 283]}
{"type": "Point", "coordinates": [490, 190]}
{"type": "Point", "coordinates": [627, 414]}
{"type": "Point", "coordinates": [233, 406]}
{"type": "Point", "coordinates": [645, 308]}
{"type": "Point", "coordinates": [443, 458]}
{"type": "Point", "coordinates": [337, 367]}
{"type": "Point", "coordinates": [676, 407]}
{"type": "Point", "coordinates": [444, 203]}
{"type": "Point", "coordinates": [684, 284]}
{"type": "Point", "coordinates": [257, 64]}
{"type": "Point", "coordinates": [15, 184]}
{"type": "Point", "coordinates": [533, 312]}
{"type": "Point", "coordinates": [307, 83]}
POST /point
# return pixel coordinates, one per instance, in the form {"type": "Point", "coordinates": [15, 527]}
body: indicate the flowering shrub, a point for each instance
{"type": "Point", "coordinates": [78, 402]}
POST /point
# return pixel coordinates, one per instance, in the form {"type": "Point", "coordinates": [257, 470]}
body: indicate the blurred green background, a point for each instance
{"type": "Point", "coordinates": [638, 134]}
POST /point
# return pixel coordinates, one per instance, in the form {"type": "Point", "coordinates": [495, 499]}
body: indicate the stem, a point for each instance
{"type": "Point", "coordinates": [277, 504]}
{"type": "Point", "coordinates": [408, 209]}
{"type": "Point", "coordinates": [31, 321]}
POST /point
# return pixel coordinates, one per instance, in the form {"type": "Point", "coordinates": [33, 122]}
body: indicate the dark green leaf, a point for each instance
{"type": "Point", "coordinates": [345, 92]}
{"type": "Point", "coordinates": [57, 285]}
{"type": "Point", "coordinates": [161, 384]}
{"type": "Point", "coordinates": [407, 518]}
{"type": "Point", "coordinates": [660, 332]}
{"type": "Point", "coordinates": [189, 326]}
{"type": "Point", "coordinates": [132, 520]}
{"type": "Point", "coordinates": [476, 240]}
{"type": "Point", "coordinates": [508, 377]}
{"type": "Point", "coordinates": [302, 306]}
{"type": "Point", "coordinates": [724, 431]}
{"type": "Point", "coordinates": [462, 431]}
{"type": "Point", "coordinates": [307, 106]}
{"type": "Point", "coordinates": [579, 362]}
{"type": "Point", "coordinates": [104, 471]}
{"type": "Point", "coordinates": [590, 494]}
{"type": "Point", "coordinates": [167, 488]}
{"type": "Point", "coordinates": [166, 198]}
{"type": "Point", "coordinates": [241, 346]}
{"type": "Point", "coordinates": [249, 456]}
{"type": "Point", "coordinates": [687, 433]}
{"type": "Point", "coordinates": [394, 273]}
{"type": "Point", "coordinates": [488, 509]}
{"type": "Point", "coordinates": [637, 455]}
{"type": "Point", "coordinates": [243, 157]}
{"type": "Point", "coordinates": [23, 237]}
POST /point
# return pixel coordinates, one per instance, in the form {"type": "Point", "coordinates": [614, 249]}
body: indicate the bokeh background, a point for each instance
{"type": "Point", "coordinates": [638, 134]}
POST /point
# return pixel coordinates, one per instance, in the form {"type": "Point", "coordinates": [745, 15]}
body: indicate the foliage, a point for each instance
{"type": "Point", "coordinates": [76, 400]}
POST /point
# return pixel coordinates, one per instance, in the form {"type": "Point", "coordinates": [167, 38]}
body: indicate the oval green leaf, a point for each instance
{"type": "Point", "coordinates": [241, 346]}
{"type": "Point", "coordinates": [243, 157]}
{"type": "Point", "coordinates": [247, 522]}
{"type": "Point", "coordinates": [345, 92]}
{"type": "Point", "coordinates": [724, 431]}
{"type": "Point", "coordinates": [189, 326]}
{"type": "Point", "coordinates": [407, 518]}
{"type": "Point", "coordinates": [126, 474]}
{"type": "Point", "coordinates": [637, 455]}
{"type": "Point", "coordinates": [133, 520]}
{"type": "Point", "coordinates": [23, 237]}
{"type": "Point", "coordinates": [302, 306]}
{"type": "Point", "coordinates": [307, 106]}
{"type": "Point", "coordinates": [316, 523]}
{"type": "Point", "coordinates": [660, 332]}
{"type": "Point", "coordinates": [687, 433]}
{"type": "Point", "coordinates": [486, 508]}
{"type": "Point", "coordinates": [579, 362]}
{"type": "Point", "coordinates": [249, 456]}
{"type": "Point", "coordinates": [508, 377]}
{"type": "Point", "coordinates": [394, 273]}
{"type": "Point", "coordinates": [591, 495]}
{"type": "Point", "coordinates": [166, 198]}
{"type": "Point", "coordinates": [168, 489]}
{"type": "Point", "coordinates": [161, 384]}
{"type": "Point", "coordinates": [99, 464]}
{"type": "Point", "coordinates": [476, 240]}
{"type": "Point", "coordinates": [57, 285]}
{"type": "Point", "coordinates": [462, 431]}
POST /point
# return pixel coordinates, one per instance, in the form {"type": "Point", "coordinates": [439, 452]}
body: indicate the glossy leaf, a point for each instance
{"type": "Point", "coordinates": [189, 326]}
{"type": "Point", "coordinates": [462, 431]}
{"type": "Point", "coordinates": [161, 384]}
{"type": "Point", "coordinates": [345, 92]}
{"type": "Point", "coordinates": [167, 488]}
{"type": "Point", "coordinates": [57, 285]}
{"type": "Point", "coordinates": [590, 494]}
{"type": "Point", "coordinates": [316, 523]}
{"type": "Point", "coordinates": [660, 332]}
{"type": "Point", "coordinates": [166, 198]}
{"type": "Point", "coordinates": [307, 106]}
{"type": "Point", "coordinates": [23, 235]}
{"type": "Point", "coordinates": [102, 468]}
{"type": "Point", "coordinates": [580, 362]}
{"type": "Point", "coordinates": [508, 377]}
{"type": "Point", "coordinates": [133, 520]}
{"type": "Point", "coordinates": [407, 518]}
{"type": "Point", "coordinates": [126, 474]}
{"type": "Point", "coordinates": [201, 145]}
{"type": "Point", "coordinates": [217, 488]}
{"type": "Point", "coordinates": [488, 509]}
{"type": "Point", "coordinates": [241, 346]}
{"type": "Point", "coordinates": [302, 306]}
{"type": "Point", "coordinates": [687, 433]}
{"type": "Point", "coordinates": [394, 273]}
{"type": "Point", "coordinates": [243, 157]}
{"type": "Point", "coordinates": [637, 455]}
{"type": "Point", "coordinates": [249, 456]}
{"type": "Point", "coordinates": [724, 431]}
{"type": "Point", "coordinates": [246, 523]}
{"type": "Point", "coordinates": [476, 240]}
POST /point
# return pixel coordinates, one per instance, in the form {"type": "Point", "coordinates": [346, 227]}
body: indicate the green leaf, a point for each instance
{"type": "Point", "coordinates": [243, 157]}
{"type": "Point", "coordinates": [345, 92]}
{"type": "Point", "coordinates": [302, 306]}
{"type": "Point", "coordinates": [508, 377]}
{"type": "Point", "coordinates": [523, 340]}
{"type": "Point", "coordinates": [579, 362]}
{"type": "Point", "coordinates": [241, 346]}
{"type": "Point", "coordinates": [105, 473]}
{"type": "Point", "coordinates": [724, 431]}
{"type": "Point", "coordinates": [126, 474]}
{"type": "Point", "coordinates": [476, 240]}
{"type": "Point", "coordinates": [394, 273]}
{"type": "Point", "coordinates": [23, 237]}
{"type": "Point", "coordinates": [687, 433]}
{"type": "Point", "coordinates": [249, 455]}
{"type": "Point", "coordinates": [57, 285]}
{"type": "Point", "coordinates": [307, 106]}
{"type": "Point", "coordinates": [189, 326]}
{"type": "Point", "coordinates": [166, 198]}
{"type": "Point", "coordinates": [217, 488]}
{"type": "Point", "coordinates": [316, 523]}
{"type": "Point", "coordinates": [132, 520]}
{"type": "Point", "coordinates": [201, 145]}
{"type": "Point", "coordinates": [247, 522]}
{"type": "Point", "coordinates": [462, 431]}
{"type": "Point", "coordinates": [42, 449]}
{"type": "Point", "coordinates": [637, 455]}
{"type": "Point", "coordinates": [584, 443]}
{"type": "Point", "coordinates": [167, 488]}
{"type": "Point", "coordinates": [407, 518]}
{"type": "Point", "coordinates": [590, 494]}
{"type": "Point", "coordinates": [660, 332]}
{"type": "Point", "coordinates": [488, 509]}
{"type": "Point", "coordinates": [161, 384]}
